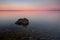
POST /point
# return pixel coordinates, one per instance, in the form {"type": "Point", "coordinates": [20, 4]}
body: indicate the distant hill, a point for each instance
{"type": "Point", "coordinates": [11, 10]}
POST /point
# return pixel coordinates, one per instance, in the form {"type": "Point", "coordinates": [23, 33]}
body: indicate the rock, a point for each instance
{"type": "Point", "coordinates": [22, 21]}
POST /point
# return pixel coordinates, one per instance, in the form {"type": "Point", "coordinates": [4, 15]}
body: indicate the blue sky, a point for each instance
{"type": "Point", "coordinates": [28, 1]}
{"type": "Point", "coordinates": [37, 3]}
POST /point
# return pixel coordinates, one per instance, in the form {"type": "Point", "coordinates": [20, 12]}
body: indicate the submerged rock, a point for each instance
{"type": "Point", "coordinates": [22, 21]}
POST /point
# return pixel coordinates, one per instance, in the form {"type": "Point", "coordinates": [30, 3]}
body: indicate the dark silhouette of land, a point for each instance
{"type": "Point", "coordinates": [11, 10]}
{"type": "Point", "coordinates": [32, 10]}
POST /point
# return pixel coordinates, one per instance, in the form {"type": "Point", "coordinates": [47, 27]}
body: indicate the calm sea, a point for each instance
{"type": "Point", "coordinates": [46, 22]}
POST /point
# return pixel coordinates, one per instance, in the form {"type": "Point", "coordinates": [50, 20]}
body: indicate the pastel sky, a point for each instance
{"type": "Point", "coordinates": [29, 4]}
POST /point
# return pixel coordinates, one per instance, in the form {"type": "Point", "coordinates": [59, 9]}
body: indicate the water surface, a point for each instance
{"type": "Point", "coordinates": [46, 22]}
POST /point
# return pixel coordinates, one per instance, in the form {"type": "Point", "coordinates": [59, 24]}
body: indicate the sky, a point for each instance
{"type": "Point", "coordinates": [29, 5]}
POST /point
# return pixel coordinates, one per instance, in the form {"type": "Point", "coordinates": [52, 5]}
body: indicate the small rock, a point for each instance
{"type": "Point", "coordinates": [22, 21]}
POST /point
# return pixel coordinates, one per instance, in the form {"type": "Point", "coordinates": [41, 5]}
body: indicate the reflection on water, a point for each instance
{"type": "Point", "coordinates": [42, 25]}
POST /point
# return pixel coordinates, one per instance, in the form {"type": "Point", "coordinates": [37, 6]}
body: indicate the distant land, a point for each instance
{"type": "Point", "coordinates": [29, 10]}
{"type": "Point", "coordinates": [11, 10]}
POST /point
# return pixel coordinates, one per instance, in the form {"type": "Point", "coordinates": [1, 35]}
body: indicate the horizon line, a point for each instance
{"type": "Point", "coordinates": [29, 10]}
